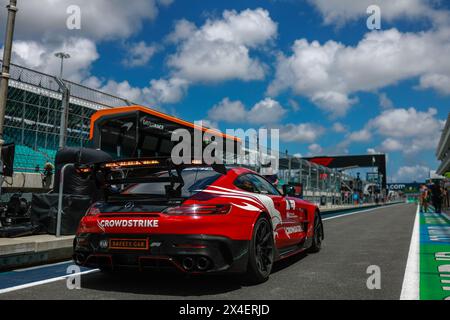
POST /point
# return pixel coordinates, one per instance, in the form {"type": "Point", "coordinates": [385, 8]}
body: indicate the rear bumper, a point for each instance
{"type": "Point", "coordinates": [185, 253]}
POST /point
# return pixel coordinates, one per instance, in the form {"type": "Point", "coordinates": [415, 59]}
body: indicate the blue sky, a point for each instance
{"type": "Point", "coordinates": [341, 89]}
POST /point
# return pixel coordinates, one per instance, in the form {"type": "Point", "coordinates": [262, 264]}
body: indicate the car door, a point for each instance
{"type": "Point", "coordinates": [270, 198]}
{"type": "Point", "coordinates": [290, 230]}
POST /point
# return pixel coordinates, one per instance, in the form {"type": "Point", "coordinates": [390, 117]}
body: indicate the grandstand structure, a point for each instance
{"type": "Point", "coordinates": [33, 115]}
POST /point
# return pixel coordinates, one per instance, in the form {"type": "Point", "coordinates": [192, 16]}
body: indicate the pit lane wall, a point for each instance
{"type": "Point", "coordinates": [25, 182]}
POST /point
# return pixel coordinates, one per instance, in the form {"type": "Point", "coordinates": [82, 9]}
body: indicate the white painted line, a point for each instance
{"type": "Point", "coordinates": [39, 283]}
{"type": "Point", "coordinates": [361, 211]}
{"type": "Point", "coordinates": [411, 280]}
{"type": "Point", "coordinates": [42, 266]}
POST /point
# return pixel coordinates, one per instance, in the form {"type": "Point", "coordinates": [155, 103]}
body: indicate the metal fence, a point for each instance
{"type": "Point", "coordinates": [33, 115]}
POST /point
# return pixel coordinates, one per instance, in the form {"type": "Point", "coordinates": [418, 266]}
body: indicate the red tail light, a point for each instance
{"type": "Point", "coordinates": [196, 209]}
{"type": "Point", "coordinates": [92, 211]}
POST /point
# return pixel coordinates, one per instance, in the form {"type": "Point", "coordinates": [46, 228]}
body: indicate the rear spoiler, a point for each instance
{"type": "Point", "coordinates": [102, 170]}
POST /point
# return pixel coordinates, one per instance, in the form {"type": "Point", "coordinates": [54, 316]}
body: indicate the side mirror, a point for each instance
{"type": "Point", "coordinates": [288, 190]}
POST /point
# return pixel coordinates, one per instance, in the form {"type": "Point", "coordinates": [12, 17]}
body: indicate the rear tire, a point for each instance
{"type": "Point", "coordinates": [317, 236]}
{"type": "Point", "coordinates": [261, 252]}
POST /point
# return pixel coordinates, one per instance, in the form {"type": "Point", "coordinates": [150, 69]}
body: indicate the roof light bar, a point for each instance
{"type": "Point", "coordinates": [133, 163]}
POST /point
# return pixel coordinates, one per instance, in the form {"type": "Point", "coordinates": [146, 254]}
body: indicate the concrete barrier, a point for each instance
{"type": "Point", "coordinates": [34, 250]}
{"type": "Point", "coordinates": [24, 182]}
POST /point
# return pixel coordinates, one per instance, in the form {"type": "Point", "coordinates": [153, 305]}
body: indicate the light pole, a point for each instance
{"type": "Point", "coordinates": [12, 9]}
{"type": "Point", "coordinates": [62, 56]}
{"type": "Point", "coordinates": [64, 103]}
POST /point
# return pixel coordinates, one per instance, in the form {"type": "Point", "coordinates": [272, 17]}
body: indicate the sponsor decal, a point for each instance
{"type": "Point", "coordinates": [294, 229]}
{"type": "Point", "coordinates": [129, 223]}
{"type": "Point", "coordinates": [147, 123]}
{"type": "Point", "coordinates": [290, 204]}
{"type": "Point", "coordinates": [291, 215]}
{"type": "Point", "coordinates": [393, 186]}
{"type": "Point", "coordinates": [136, 244]}
{"type": "Point", "coordinates": [128, 125]}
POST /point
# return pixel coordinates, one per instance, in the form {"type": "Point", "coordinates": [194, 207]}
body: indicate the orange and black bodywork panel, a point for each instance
{"type": "Point", "coordinates": [137, 131]}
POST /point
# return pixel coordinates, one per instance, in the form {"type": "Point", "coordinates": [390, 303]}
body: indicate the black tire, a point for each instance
{"type": "Point", "coordinates": [261, 252]}
{"type": "Point", "coordinates": [317, 236]}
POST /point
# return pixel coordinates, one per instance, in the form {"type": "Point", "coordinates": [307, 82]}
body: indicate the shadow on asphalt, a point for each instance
{"type": "Point", "coordinates": [172, 283]}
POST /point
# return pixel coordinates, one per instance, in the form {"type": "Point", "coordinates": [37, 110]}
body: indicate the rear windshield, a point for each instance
{"type": "Point", "coordinates": [195, 180]}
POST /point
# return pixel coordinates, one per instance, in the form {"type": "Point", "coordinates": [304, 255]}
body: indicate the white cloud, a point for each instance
{"type": "Point", "coordinates": [390, 144]}
{"type": "Point", "coordinates": [304, 132]}
{"type": "Point", "coordinates": [372, 151]}
{"type": "Point", "coordinates": [342, 11]}
{"type": "Point", "coordinates": [220, 49]}
{"type": "Point", "coordinates": [228, 111]}
{"type": "Point", "coordinates": [40, 56]}
{"type": "Point", "coordinates": [124, 90]}
{"type": "Point", "coordinates": [385, 102]}
{"type": "Point", "coordinates": [330, 73]}
{"type": "Point", "coordinates": [182, 31]}
{"type": "Point", "coordinates": [418, 173]}
{"type": "Point", "coordinates": [295, 106]}
{"type": "Point", "coordinates": [339, 127]}
{"type": "Point", "coordinates": [408, 130]}
{"type": "Point", "coordinates": [166, 90]}
{"type": "Point", "coordinates": [100, 19]}
{"type": "Point", "coordinates": [267, 111]}
{"type": "Point", "coordinates": [314, 150]}
{"type": "Point", "coordinates": [158, 92]}
{"type": "Point", "coordinates": [139, 54]}
{"type": "Point", "coordinates": [42, 31]}
{"type": "Point", "coordinates": [92, 82]}
{"type": "Point", "coordinates": [404, 123]}
{"type": "Point", "coordinates": [360, 136]}
{"type": "Point", "coordinates": [436, 81]}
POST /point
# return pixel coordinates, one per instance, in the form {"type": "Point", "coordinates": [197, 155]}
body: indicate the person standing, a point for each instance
{"type": "Point", "coordinates": [356, 198]}
{"type": "Point", "coordinates": [424, 198]}
{"type": "Point", "coordinates": [446, 202]}
{"type": "Point", "coordinates": [47, 175]}
{"type": "Point", "coordinates": [436, 197]}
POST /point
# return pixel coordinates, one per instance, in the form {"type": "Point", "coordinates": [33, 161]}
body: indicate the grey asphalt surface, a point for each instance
{"type": "Point", "coordinates": [352, 243]}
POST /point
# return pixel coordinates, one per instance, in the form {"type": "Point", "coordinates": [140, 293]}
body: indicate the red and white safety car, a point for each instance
{"type": "Point", "coordinates": [195, 218]}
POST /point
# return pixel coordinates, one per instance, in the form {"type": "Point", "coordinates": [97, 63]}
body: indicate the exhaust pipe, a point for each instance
{"type": "Point", "coordinates": [203, 263]}
{"type": "Point", "coordinates": [188, 263]}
